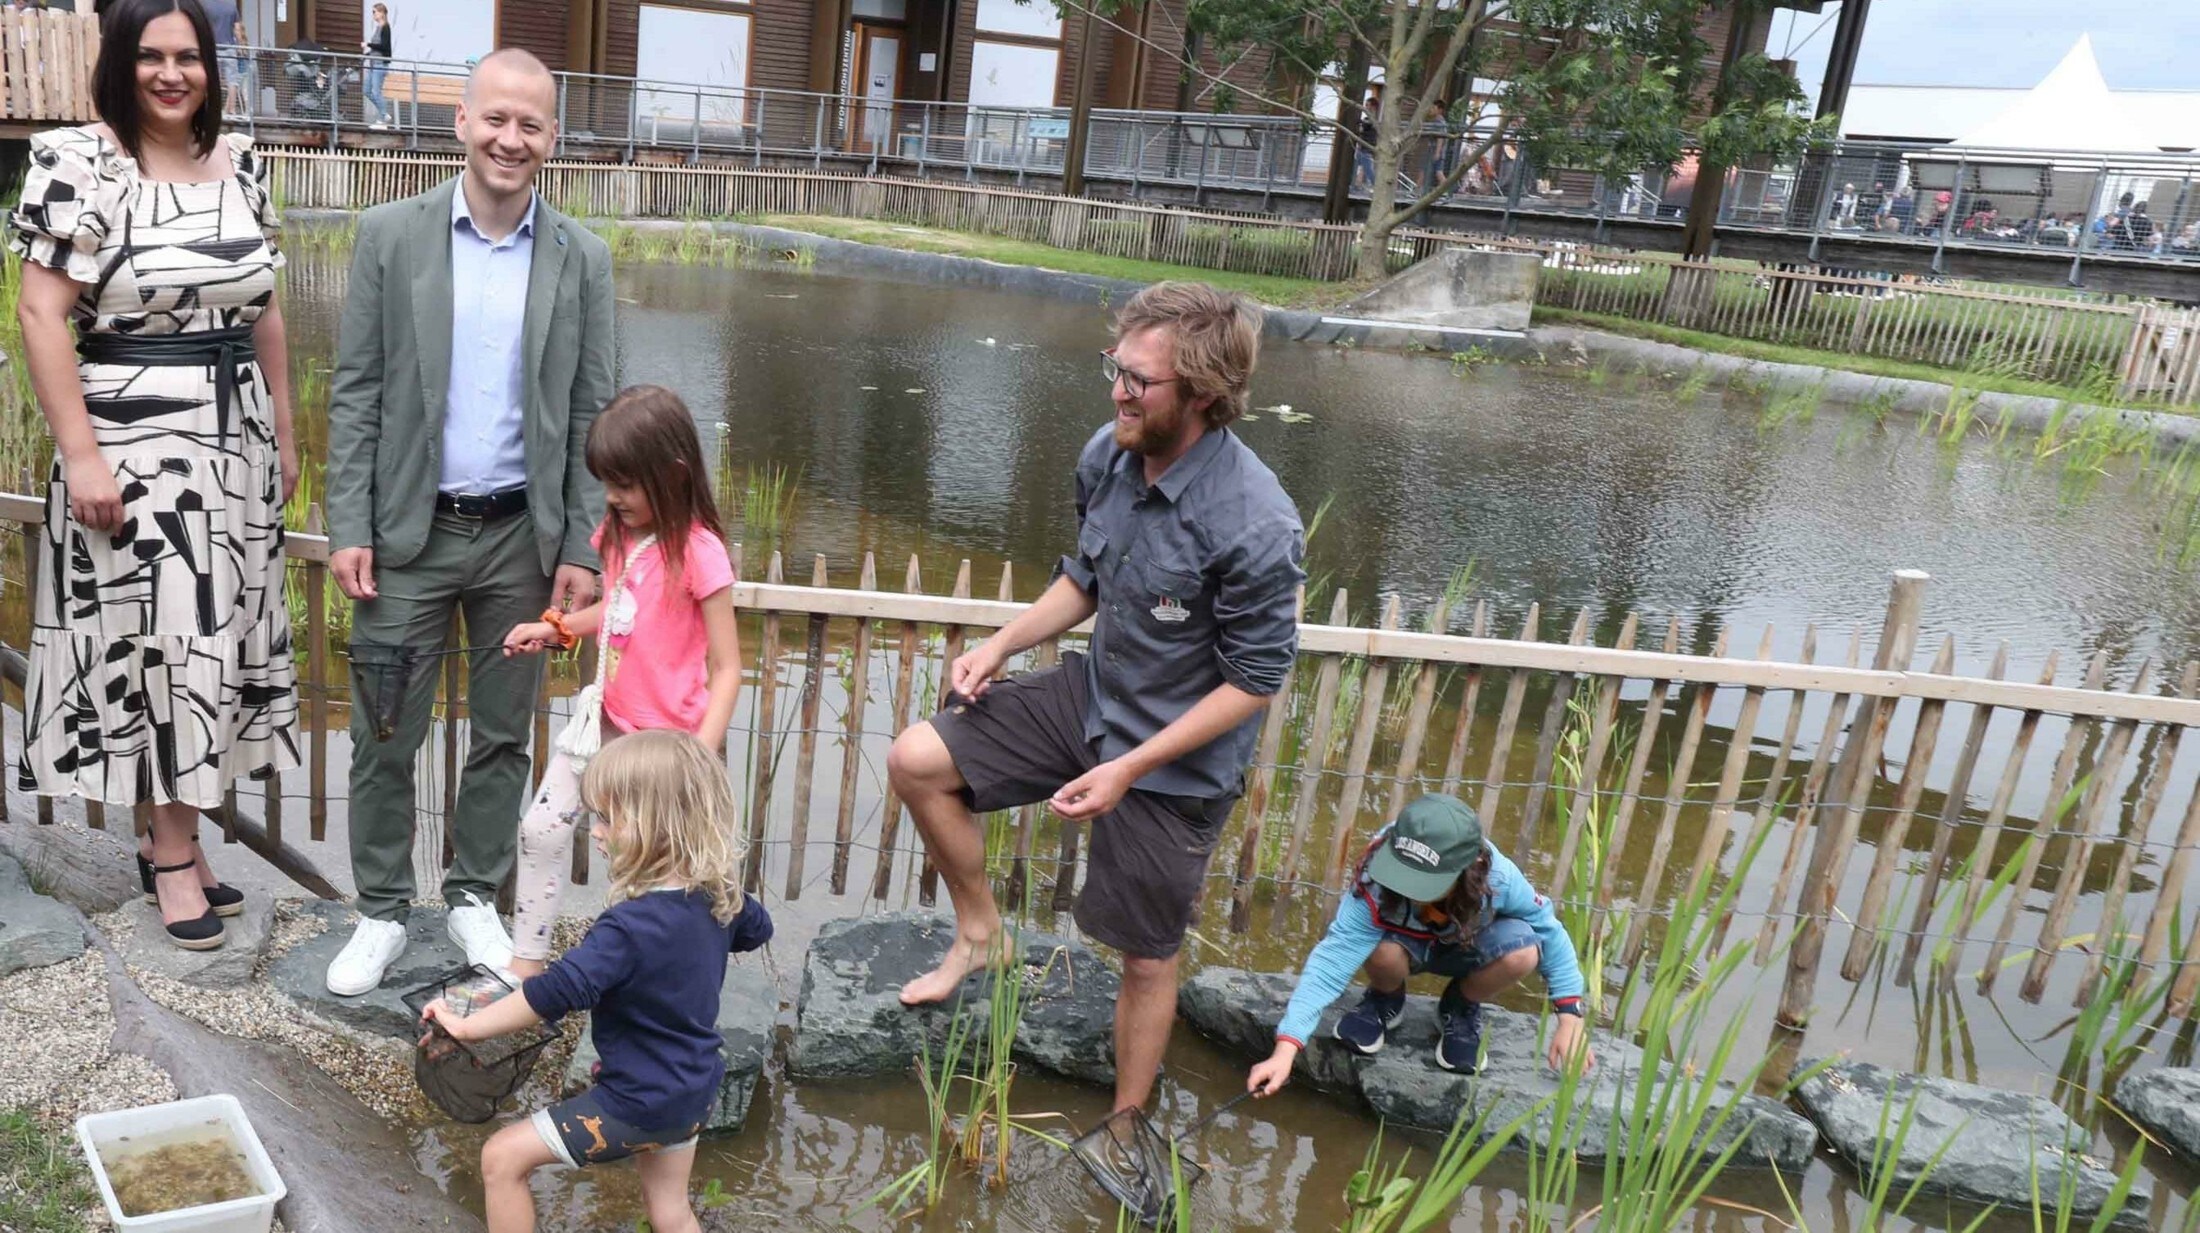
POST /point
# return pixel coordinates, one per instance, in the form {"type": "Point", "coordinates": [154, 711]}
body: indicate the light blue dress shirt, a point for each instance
{"type": "Point", "coordinates": [484, 446]}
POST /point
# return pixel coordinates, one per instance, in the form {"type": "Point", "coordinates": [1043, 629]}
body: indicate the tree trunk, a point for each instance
{"type": "Point", "coordinates": [1382, 195]}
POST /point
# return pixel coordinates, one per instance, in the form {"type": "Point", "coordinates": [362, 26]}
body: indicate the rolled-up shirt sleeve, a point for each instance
{"type": "Point", "coordinates": [1257, 604]}
{"type": "Point", "coordinates": [1077, 564]}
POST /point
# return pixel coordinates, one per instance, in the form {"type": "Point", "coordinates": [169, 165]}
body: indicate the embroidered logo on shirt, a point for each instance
{"type": "Point", "coordinates": [1171, 611]}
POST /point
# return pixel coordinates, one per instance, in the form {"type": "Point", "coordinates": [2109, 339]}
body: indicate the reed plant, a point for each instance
{"type": "Point", "coordinates": [1692, 389]}
{"type": "Point", "coordinates": [1383, 1198]}
{"type": "Point", "coordinates": [768, 500]}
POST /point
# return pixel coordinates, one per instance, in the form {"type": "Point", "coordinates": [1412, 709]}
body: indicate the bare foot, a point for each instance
{"type": "Point", "coordinates": [940, 983]}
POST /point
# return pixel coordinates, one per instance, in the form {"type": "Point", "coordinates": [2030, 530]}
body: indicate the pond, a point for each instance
{"type": "Point", "coordinates": [944, 423]}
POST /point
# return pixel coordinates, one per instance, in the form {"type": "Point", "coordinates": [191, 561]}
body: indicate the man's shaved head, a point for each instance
{"type": "Point", "coordinates": [516, 64]}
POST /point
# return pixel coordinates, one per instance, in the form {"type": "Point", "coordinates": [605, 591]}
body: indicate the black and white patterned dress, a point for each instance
{"type": "Point", "coordinates": [160, 661]}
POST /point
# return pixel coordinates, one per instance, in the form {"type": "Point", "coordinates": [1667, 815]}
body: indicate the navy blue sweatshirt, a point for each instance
{"type": "Point", "coordinates": [650, 968]}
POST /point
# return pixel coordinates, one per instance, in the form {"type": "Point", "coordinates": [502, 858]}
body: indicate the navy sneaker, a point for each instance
{"type": "Point", "coordinates": [1459, 1048]}
{"type": "Point", "coordinates": [1363, 1029]}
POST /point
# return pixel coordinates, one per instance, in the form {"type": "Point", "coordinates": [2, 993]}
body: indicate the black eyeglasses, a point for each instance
{"type": "Point", "coordinates": [1134, 384]}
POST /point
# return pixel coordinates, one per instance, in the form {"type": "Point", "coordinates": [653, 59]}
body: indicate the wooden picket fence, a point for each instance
{"type": "Point", "coordinates": [2129, 350]}
{"type": "Point", "coordinates": [46, 59]}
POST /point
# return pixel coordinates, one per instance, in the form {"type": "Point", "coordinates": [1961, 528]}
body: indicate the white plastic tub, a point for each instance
{"type": "Point", "coordinates": [126, 1130]}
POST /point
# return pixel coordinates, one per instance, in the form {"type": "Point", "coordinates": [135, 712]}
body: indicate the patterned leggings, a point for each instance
{"type": "Point", "coordinates": [545, 857]}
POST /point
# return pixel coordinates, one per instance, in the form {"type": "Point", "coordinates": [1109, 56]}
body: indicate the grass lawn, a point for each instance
{"type": "Point", "coordinates": [1779, 354]}
{"type": "Point", "coordinates": [1269, 289]}
{"type": "Point", "coordinates": [43, 1188]}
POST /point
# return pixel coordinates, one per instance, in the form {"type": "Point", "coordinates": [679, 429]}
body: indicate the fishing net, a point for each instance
{"type": "Point", "coordinates": [468, 1080]}
{"type": "Point", "coordinates": [1141, 1168]}
{"type": "Point", "coordinates": [385, 672]}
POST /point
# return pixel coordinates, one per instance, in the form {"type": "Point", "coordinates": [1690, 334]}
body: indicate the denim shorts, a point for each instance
{"type": "Point", "coordinates": [1491, 943]}
{"type": "Point", "coordinates": [580, 1133]}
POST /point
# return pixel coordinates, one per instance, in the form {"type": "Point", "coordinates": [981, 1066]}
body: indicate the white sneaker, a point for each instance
{"type": "Point", "coordinates": [358, 968]}
{"type": "Point", "coordinates": [475, 927]}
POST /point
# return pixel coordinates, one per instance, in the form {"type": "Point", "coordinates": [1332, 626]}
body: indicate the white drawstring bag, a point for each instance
{"type": "Point", "coordinates": [583, 735]}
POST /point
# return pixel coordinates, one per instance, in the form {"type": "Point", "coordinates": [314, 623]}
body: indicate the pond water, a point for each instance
{"type": "Point", "coordinates": [945, 423]}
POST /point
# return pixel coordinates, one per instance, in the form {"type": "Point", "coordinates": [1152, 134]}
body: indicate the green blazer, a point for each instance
{"type": "Point", "coordinates": [393, 374]}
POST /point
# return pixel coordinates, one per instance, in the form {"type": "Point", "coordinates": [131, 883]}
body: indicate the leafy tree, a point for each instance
{"type": "Point", "coordinates": [1608, 86]}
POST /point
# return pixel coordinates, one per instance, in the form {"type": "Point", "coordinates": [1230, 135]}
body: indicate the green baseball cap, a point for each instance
{"type": "Point", "coordinates": [1433, 840]}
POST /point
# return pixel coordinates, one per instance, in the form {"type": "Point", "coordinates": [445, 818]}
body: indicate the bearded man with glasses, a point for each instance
{"type": "Point", "coordinates": [1189, 559]}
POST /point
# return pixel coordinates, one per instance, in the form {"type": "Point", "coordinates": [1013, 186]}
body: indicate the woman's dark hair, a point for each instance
{"type": "Point", "coordinates": [645, 438]}
{"type": "Point", "coordinates": [114, 80]}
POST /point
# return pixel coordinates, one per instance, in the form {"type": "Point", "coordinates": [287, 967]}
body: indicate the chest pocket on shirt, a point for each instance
{"type": "Point", "coordinates": [1092, 544]}
{"type": "Point", "coordinates": [1170, 597]}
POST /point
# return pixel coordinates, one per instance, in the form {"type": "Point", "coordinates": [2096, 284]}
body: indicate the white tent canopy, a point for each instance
{"type": "Point", "coordinates": [2072, 109]}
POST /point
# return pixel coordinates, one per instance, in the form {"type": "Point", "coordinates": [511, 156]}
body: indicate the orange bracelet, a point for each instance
{"type": "Point", "coordinates": [556, 621]}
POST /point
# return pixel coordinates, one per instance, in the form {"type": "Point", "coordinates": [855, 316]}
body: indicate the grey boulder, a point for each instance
{"type": "Point", "coordinates": [748, 1006]}
{"type": "Point", "coordinates": [1404, 1084]}
{"type": "Point", "coordinates": [301, 973]}
{"type": "Point", "coordinates": [228, 966]}
{"type": "Point", "coordinates": [1993, 1145]}
{"type": "Point", "coordinates": [35, 931]}
{"type": "Point", "coordinates": [850, 1020]}
{"type": "Point", "coordinates": [2166, 1102]}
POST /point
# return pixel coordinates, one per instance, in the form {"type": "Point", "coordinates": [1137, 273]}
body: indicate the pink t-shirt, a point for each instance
{"type": "Point", "coordinates": [662, 679]}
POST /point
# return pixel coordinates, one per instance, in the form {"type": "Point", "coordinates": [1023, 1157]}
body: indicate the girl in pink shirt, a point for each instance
{"type": "Point", "coordinates": [665, 627]}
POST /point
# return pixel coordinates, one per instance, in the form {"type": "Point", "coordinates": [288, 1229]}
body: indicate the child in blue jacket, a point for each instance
{"type": "Point", "coordinates": [1430, 895]}
{"type": "Point", "coordinates": [650, 970]}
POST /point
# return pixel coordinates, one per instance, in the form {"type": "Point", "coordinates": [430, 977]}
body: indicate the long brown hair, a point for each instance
{"type": "Point", "coordinates": [1468, 896]}
{"type": "Point", "coordinates": [645, 438]}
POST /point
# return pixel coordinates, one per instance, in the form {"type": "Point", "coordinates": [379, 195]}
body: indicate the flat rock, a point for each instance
{"type": "Point", "coordinates": [35, 931]}
{"type": "Point", "coordinates": [301, 973]}
{"type": "Point", "coordinates": [1997, 1142]}
{"type": "Point", "coordinates": [1404, 1084]}
{"type": "Point", "coordinates": [228, 966]}
{"type": "Point", "coordinates": [90, 870]}
{"type": "Point", "coordinates": [748, 1006]}
{"type": "Point", "coordinates": [850, 1020]}
{"type": "Point", "coordinates": [2166, 1102]}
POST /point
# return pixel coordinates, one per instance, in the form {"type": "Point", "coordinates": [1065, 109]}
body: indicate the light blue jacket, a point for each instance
{"type": "Point", "coordinates": [1356, 932]}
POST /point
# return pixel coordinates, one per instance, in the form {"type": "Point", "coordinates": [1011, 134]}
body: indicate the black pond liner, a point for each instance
{"type": "Point", "coordinates": [469, 1080]}
{"type": "Point", "coordinates": [1141, 1168]}
{"type": "Point", "coordinates": [385, 671]}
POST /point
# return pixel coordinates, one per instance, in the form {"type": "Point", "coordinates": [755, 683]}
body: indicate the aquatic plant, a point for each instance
{"type": "Point", "coordinates": [1381, 1198]}
{"type": "Point", "coordinates": [1699, 379]}
{"type": "Point", "coordinates": [767, 502]}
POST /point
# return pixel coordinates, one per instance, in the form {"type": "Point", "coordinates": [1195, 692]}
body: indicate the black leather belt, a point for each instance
{"type": "Point", "coordinates": [225, 351]}
{"type": "Point", "coordinates": [486, 506]}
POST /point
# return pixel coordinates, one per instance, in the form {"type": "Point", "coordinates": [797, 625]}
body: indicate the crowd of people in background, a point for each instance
{"type": "Point", "coordinates": [2130, 227]}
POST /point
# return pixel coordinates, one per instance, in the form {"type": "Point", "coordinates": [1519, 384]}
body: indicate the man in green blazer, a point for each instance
{"type": "Point", "coordinates": [476, 348]}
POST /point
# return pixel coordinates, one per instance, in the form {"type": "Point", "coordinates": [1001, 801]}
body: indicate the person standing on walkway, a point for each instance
{"type": "Point", "coordinates": [1188, 559]}
{"type": "Point", "coordinates": [475, 350]}
{"type": "Point", "coordinates": [377, 51]}
{"type": "Point", "coordinates": [236, 56]}
{"type": "Point", "coordinates": [160, 659]}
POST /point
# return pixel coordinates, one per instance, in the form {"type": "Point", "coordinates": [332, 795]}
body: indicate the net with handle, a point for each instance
{"type": "Point", "coordinates": [469, 1080]}
{"type": "Point", "coordinates": [1142, 1168]}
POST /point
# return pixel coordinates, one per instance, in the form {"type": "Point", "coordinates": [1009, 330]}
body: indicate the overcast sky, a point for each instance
{"type": "Point", "coordinates": [2142, 44]}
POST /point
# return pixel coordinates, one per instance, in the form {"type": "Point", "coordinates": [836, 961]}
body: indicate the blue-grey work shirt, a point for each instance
{"type": "Point", "coordinates": [484, 423]}
{"type": "Point", "coordinates": [1197, 579]}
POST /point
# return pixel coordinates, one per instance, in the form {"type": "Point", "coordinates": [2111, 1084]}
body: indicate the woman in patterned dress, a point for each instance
{"type": "Point", "coordinates": [160, 665]}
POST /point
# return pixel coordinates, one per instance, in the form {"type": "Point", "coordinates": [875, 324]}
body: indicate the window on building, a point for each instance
{"type": "Point", "coordinates": [696, 51]}
{"type": "Point", "coordinates": [442, 32]}
{"type": "Point", "coordinates": [1033, 21]}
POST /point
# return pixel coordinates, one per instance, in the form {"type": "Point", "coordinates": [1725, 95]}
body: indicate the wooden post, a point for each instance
{"type": "Point", "coordinates": [1455, 761]}
{"type": "Point", "coordinates": [1951, 816]}
{"type": "Point", "coordinates": [1584, 813]}
{"type": "Point", "coordinates": [1997, 813]}
{"type": "Point", "coordinates": [904, 679]}
{"type": "Point", "coordinates": [767, 688]}
{"type": "Point", "coordinates": [1546, 746]}
{"type": "Point", "coordinates": [2058, 786]}
{"type": "Point", "coordinates": [1417, 716]}
{"type": "Point", "coordinates": [30, 588]}
{"type": "Point", "coordinates": [805, 765]}
{"type": "Point", "coordinates": [1830, 854]}
{"type": "Point", "coordinates": [1257, 792]}
{"type": "Point", "coordinates": [1646, 736]}
{"type": "Point", "coordinates": [1374, 688]}
{"type": "Point", "coordinates": [1508, 722]}
{"type": "Point", "coordinates": [1864, 933]}
{"type": "Point", "coordinates": [1727, 796]}
{"type": "Point", "coordinates": [590, 648]}
{"type": "Point", "coordinates": [1697, 712]}
{"type": "Point", "coordinates": [1313, 756]}
{"type": "Point", "coordinates": [851, 754]}
{"type": "Point", "coordinates": [2127, 856]}
{"type": "Point", "coordinates": [2079, 853]}
{"type": "Point", "coordinates": [951, 649]}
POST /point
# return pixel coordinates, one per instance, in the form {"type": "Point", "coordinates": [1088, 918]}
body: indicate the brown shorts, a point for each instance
{"type": "Point", "coordinates": [1147, 857]}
